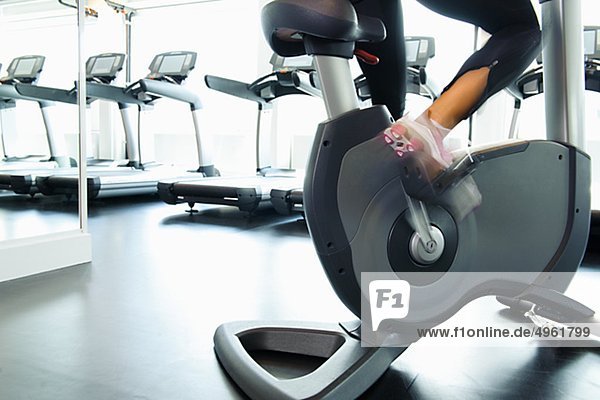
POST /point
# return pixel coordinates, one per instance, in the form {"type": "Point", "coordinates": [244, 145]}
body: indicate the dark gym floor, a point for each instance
{"type": "Point", "coordinates": [138, 322]}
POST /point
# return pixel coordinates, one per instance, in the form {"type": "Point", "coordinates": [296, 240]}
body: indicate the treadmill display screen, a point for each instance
{"type": "Point", "coordinates": [412, 50]}
{"type": "Point", "coordinates": [172, 64]}
{"type": "Point", "coordinates": [298, 62]}
{"type": "Point", "coordinates": [25, 67]}
{"type": "Point", "coordinates": [589, 42]}
{"type": "Point", "coordinates": [103, 65]}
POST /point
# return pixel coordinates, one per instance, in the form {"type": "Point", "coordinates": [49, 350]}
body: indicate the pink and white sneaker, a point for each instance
{"type": "Point", "coordinates": [407, 135]}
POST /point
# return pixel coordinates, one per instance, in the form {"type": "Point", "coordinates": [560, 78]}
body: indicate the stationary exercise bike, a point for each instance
{"type": "Point", "coordinates": [369, 211]}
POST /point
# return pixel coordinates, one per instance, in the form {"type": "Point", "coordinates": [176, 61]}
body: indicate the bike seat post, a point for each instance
{"type": "Point", "coordinates": [337, 85]}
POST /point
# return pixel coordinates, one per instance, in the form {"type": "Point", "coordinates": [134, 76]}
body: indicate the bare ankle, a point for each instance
{"type": "Point", "coordinates": [443, 119]}
{"type": "Point", "coordinates": [437, 128]}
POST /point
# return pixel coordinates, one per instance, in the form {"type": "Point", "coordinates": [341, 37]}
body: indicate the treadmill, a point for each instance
{"type": "Point", "coordinates": [26, 70]}
{"type": "Point", "coordinates": [100, 68]}
{"type": "Point", "coordinates": [249, 192]}
{"type": "Point", "coordinates": [167, 73]}
{"type": "Point", "coordinates": [419, 50]}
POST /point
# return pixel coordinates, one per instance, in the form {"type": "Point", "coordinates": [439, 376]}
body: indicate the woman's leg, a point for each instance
{"type": "Point", "coordinates": [514, 43]}
{"type": "Point", "coordinates": [460, 98]}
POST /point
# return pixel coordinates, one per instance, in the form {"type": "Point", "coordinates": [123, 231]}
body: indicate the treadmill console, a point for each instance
{"type": "Point", "coordinates": [419, 49]}
{"type": "Point", "coordinates": [25, 69]}
{"type": "Point", "coordinates": [591, 42]}
{"type": "Point", "coordinates": [284, 68]}
{"type": "Point", "coordinates": [591, 45]}
{"type": "Point", "coordinates": [304, 63]}
{"type": "Point", "coordinates": [174, 66]}
{"type": "Point", "coordinates": [104, 68]}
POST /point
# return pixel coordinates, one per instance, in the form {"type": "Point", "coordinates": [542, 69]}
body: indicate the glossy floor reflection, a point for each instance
{"type": "Point", "coordinates": [138, 322]}
{"type": "Point", "coordinates": [22, 216]}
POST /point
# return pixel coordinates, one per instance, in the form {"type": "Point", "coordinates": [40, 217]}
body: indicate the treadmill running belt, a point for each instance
{"type": "Point", "coordinates": [246, 193]}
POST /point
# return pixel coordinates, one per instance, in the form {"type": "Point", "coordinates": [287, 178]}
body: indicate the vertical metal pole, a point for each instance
{"type": "Point", "coordinates": [264, 142]}
{"type": "Point", "coordinates": [562, 37]}
{"type": "Point", "coordinates": [475, 48]}
{"type": "Point", "coordinates": [57, 144]}
{"type": "Point", "coordinates": [128, 18]}
{"type": "Point", "coordinates": [337, 85]}
{"type": "Point", "coordinates": [8, 124]}
{"type": "Point", "coordinates": [82, 104]}
{"type": "Point", "coordinates": [2, 149]}
{"type": "Point", "coordinates": [203, 145]}
{"type": "Point", "coordinates": [258, 129]}
{"type": "Point", "coordinates": [128, 113]}
{"type": "Point", "coordinates": [512, 133]}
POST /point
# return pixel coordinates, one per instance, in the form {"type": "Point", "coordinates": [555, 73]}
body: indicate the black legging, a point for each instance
{"type": "Point", "coordinates": [514, 43]}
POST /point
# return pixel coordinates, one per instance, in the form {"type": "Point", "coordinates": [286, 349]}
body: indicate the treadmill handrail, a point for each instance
{"type": "Point", "coordinates": [68, 96]}
{"type": "Point", "coordinates": [165, 89]}
{"type": "Point", "coordinates": [251, 91]}
{"type": "Point", "coordinates": [112, 93]}
{"type": "Point", "coordinates": [233, 88]}
{"type": "Point", "coordinates": [9, 92]}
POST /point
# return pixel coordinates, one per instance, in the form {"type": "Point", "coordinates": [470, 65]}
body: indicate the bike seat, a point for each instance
{"type": "Point", "coordinates": [285, 22]}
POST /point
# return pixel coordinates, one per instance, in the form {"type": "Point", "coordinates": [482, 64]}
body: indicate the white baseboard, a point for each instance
{"type": "Point", "coordinates": [30, 256]}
